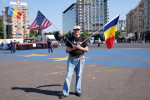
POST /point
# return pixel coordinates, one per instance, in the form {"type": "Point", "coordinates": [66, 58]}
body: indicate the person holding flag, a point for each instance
{"type": "Point", "coordinates": [76, 47]}
{"type": "Point", "coordinates": [75, 62]}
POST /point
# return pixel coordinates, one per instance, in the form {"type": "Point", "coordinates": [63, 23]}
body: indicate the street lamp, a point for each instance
{"type": "Point", "coordinates": [4, 24]}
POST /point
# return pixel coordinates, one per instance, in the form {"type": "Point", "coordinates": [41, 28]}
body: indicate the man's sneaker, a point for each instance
{"type": "Point", "coordinates": [78, 94]}
{"type": "Point", "coordinates": [62, 96]}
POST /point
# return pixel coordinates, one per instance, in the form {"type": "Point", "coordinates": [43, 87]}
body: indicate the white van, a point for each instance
{"type": "Point", "coordinates": [53, 40]}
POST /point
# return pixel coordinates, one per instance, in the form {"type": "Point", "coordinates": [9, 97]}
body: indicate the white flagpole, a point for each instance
{"type": "Point", "coordinates": [63, 35]}
{"type": "Point", "coordinates": [92, 34]}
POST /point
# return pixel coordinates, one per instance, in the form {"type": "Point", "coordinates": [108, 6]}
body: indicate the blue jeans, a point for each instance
{"type": "Point", "coordinates": [13, 50]}
{"type": "Point", "coordinates": [50, 49]}
{"type": "Point", "coordinates": [77, 65]}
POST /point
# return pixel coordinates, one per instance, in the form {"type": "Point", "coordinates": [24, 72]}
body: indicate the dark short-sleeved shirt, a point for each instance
{"type": "Point", "coordinates": [49, 43]}
{"type": "Point", "coordinates": [76, 41]}
{"type": "Point", "coordinates": [13, 44]}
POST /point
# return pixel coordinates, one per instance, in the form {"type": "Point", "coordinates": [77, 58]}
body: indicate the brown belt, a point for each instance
{"type": "Point", "coordinates": [76, 56]}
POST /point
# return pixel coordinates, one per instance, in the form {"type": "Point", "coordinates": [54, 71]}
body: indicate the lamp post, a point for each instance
{"type": "Point", "coordinates": [25, 23]}
{"type": "Point", "coordinates": [4, 28]}
{"type": "Point", "coordinates": [4, 24]}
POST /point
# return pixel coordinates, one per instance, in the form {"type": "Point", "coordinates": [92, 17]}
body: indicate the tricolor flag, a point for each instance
{"type": "Point", "coordinates": [109, 32]}
{"type": "Point", "coordinates": [40, 23]}
{"type": "Point", "coordinates": [14, 12]}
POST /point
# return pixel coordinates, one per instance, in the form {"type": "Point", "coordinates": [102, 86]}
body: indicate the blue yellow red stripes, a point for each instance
{"type": "Point", "coordinates": [111, 23]}
{"type": "Point", "coordinates": [14, 12]}
{"type": "Point", "coordinates": [109, 32]}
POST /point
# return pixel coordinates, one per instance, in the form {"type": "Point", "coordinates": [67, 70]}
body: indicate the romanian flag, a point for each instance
{"type": "Point", "coordinates": [14, 12]}
{"type": "Point", "coordinates": [109, 32]}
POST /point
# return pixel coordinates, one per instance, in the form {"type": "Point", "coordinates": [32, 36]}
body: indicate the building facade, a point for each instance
{"type": "Point", "coordinates": [17, 27]}
{"type": "Point", "coordinates": [138, 19]}
{"type": "Point", "coordinates": [90, 15]}
{"type": "Point", "coordinates": [69, 18]}
{"type": "Point", "coordinates": [121, 25]}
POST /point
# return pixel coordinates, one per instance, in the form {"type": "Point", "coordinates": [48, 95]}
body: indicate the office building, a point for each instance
{"type": "Point", "coordinates": [17, 27]}
{"type": "Point", "coordinates": [138, 20]}
{"type": "Point", "coordinates": [121, 25]}
{"type": "Point", "coordinates": [90, 15]}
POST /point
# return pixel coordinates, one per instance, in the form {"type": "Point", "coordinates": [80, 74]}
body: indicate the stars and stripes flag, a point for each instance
{"type": "Point", "coordinates": [109, 32]}
{"type": "Point", "coordinates": [40, 23]}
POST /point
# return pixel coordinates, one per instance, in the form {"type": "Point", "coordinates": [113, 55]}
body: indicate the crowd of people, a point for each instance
{"type": "Point", "coordinates": [11, 46]}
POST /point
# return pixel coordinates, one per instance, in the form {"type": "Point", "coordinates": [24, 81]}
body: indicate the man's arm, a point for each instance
{"type": "Point", "coordinates": [69, 49]}
{"type": "Point", "coordinates": [85, 49]}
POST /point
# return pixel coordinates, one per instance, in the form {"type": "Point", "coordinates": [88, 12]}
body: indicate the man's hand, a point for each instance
{"type": "Point", "coordinates": [78, 47]}
{"type": "Point", "coordinates": [74, 47]}
{"type": "Point", "coordinates": [68, 49]}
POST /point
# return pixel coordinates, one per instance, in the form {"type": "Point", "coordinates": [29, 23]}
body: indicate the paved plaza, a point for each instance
{"type": "Point", "coordinates": [121, 73]}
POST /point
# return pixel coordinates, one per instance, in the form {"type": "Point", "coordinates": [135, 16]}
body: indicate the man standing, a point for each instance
{"type": "Point", "coordinates": [99, 42]}
{"type": "Point", "coordinates": [75, 62]}
{"type": "Point", "coordinates": [11, 46]}
{"type": "Point", "coordinates": [49, 46]}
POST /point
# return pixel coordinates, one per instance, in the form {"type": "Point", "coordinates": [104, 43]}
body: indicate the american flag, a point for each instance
{"type": "Point", "coordinates": [40, 23]}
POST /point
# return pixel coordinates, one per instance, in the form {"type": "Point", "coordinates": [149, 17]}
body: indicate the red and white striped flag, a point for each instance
{"type": "Point", "coordinates": [40, 23]}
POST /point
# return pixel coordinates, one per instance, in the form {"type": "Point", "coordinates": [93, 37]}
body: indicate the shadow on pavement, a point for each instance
{"type": "Point", "coordinates": [46, 92]}
{"type": "Point", "coordinates": [49, 85]}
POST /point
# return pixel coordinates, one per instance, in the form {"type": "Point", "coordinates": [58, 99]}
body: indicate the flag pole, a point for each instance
{"type": "Point", "coordinates": [99, 29]}
{"type": "Point", "coordinates": [92, 34]}
{"type": "Point", "coordinates": [63, 34]}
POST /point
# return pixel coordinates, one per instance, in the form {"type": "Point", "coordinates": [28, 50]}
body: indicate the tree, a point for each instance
{"type": "Point", "coordinates": [49, 33]}
{"type": "Point", "coordinates": [9, 36]}
{"type": "Point", "coordinates": [57, 35]}
{"type": "Point", "coordinates": [69, 35]}
{"type": "Point", "coordinates": [117, 33]}
{"type": "Point", "coordinates": [85, 34]}
{"type": "Point", "coordinates": [1, 28]}
{"type": "Point", "coordinates": [33, 33]}
{"type": "Point", "coordinates": [97, 36]}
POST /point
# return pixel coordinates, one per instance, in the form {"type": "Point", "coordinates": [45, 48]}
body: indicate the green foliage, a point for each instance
{"type": "Point", "coordinates": [123, 31]}
{"type": "Point", "coordinates": [117, 33]}
{"type": "Point", "coordinates": [85, 34]}
{"type": "Point", "coordinates": [69, 35]}
{"type": "Point", "coordinates": [9, 36]}
{"type": "Point", "coordinates": [97, 36]}
{"type": "Point", "coordinates": [57, 35]}
{"type": "Point", "coordinates": [33, 33]}
{"type": "Point", "coordinates": [122, 39]}
{"type": "Point", "coordinates": [1, 28]}
{"type": "Point", "coordinates": [49, 33]}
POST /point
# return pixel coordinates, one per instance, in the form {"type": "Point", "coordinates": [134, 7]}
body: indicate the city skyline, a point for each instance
{"type": "Point", "coordinates": [55, 15]}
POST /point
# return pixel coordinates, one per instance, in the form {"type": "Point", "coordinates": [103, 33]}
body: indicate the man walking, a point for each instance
{"type": "Point", "coordinates": [75, 62]}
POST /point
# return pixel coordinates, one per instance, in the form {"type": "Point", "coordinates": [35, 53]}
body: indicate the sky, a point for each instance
{"type": "Point", "coordinates": [52, 9]}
